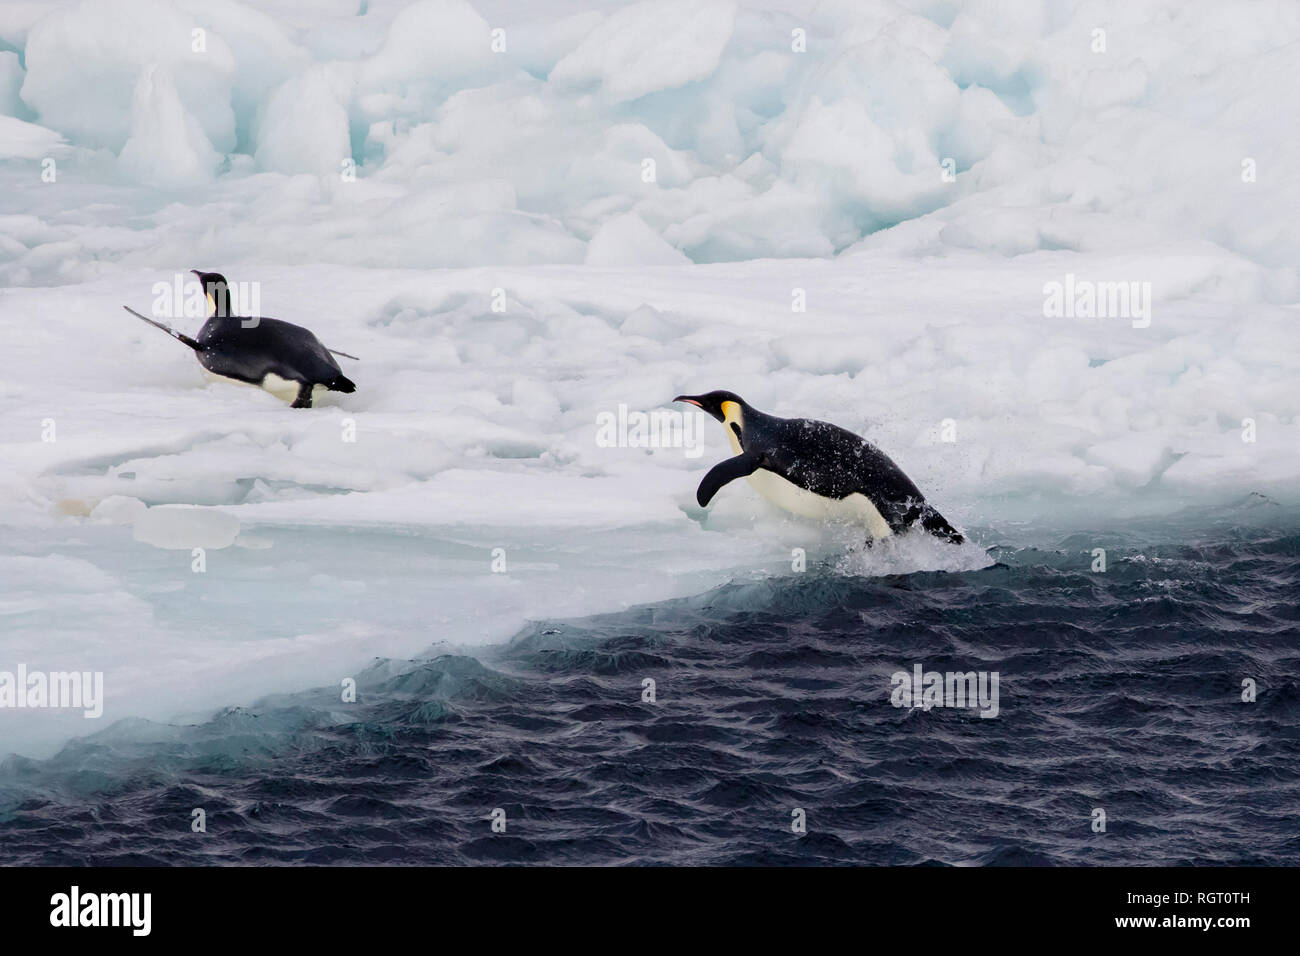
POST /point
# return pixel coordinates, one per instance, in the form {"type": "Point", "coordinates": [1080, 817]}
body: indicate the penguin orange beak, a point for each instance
{"type": "Point", "coordinates": [688, 400]}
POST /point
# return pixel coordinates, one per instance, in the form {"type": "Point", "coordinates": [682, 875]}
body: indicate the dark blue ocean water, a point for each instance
{"type": "Point", "coordinates": [1119, 691]}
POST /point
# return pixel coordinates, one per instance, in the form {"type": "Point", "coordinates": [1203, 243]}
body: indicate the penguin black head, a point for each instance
{"type": "Point", "coordinates": [216, 290]}
{"type": "Point", "coordinates": [712, 402]}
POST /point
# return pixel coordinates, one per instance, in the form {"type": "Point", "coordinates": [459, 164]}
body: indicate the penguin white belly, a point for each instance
{"type": "Point", "coordinates": [282, 388]}
{"type": "Point", "coordinates": [786, 494]}
{"type": "Point", "coordinates": [214, 377]}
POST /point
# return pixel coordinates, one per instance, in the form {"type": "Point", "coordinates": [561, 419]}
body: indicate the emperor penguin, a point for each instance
{"type": "Point", "coordinates": [816, 470]}
{"type": "Point", "coordinates": [285, 359]}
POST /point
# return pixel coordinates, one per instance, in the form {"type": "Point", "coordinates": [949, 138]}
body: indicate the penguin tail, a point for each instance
{"type": "Point", "coordinates": [179, 336]}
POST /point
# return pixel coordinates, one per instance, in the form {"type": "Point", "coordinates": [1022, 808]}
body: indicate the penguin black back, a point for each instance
{"type": "Point", "coordinates": [830, 465]}
{"type": "Point", "coordinates": [285, 359]}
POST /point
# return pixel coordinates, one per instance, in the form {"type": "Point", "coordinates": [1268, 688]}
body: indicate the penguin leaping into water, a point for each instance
{"type": "Point", "coordinates": [285, 359]}
{"type": "Point", "coordinates": [815, 469]}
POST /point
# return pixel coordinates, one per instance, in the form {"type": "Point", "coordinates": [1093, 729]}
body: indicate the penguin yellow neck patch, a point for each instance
{"type": "Point", "coordinates": [730, 415]}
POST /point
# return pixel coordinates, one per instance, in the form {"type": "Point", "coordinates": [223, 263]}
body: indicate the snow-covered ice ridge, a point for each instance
{"type": "Point", "coordinates": [479, 228]}
{"type": "Point", "coordinates": [518, 134]}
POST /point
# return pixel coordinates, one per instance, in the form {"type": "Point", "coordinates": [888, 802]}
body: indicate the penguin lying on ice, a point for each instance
{"type": "Point", "coordinates": [815, 469]}
{"type": "Point", "coordinates": [285, 359]}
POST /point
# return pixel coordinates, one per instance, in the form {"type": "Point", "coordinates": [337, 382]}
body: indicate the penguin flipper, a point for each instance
{"type": "Point", "coordinates": [179, 336]}
{"type": "Point", "coordinates": [723, 472]}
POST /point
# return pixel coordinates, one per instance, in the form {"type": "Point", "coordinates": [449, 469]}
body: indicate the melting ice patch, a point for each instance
{"type": "Point", "coordinates": [184, 527]}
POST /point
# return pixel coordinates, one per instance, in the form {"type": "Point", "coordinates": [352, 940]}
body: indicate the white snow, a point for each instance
{"type": "Point", "coordinates": [429, 41]}
{"type": "Point", "coordinates": [11, 81]}
{"type": "Point", "coordinates": [625, 203]}
{"type": "Point", "coordinates": [650, 46]}
{"type": "Point", "coordinates": [84, 62]}
{"type": "Point", "coordinates": [19, 140]}
{"type": "Point", "coordinates": [167, 148]}
{"type": "Point", "coordinates": [627, 241]}
{"type": "Point", "coordinates": [304, 125]}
